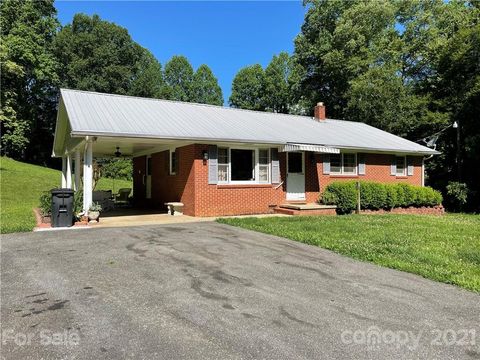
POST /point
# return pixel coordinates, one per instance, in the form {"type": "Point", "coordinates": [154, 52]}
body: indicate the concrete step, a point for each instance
{"type": "Point", "coordinates": [311, 209]}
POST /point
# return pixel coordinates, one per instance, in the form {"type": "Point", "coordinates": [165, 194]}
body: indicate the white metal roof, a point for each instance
{"type": "Point", "coordinates": [99, 114]}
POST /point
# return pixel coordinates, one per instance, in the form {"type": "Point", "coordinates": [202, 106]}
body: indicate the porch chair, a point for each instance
{"type": "Point", "coordinates": [122, 197]}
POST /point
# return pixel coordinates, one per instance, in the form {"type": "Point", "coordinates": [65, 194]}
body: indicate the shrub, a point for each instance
{"type": "Point", "coordinates": [46, 203]}
{"type": "Point", "coordinates": [410, 195]}
{"type": "Point", "coordinates": [77, 203]}
{"type": "Point", "coordinates": [342, 194]}
{"type": "Point", "coordinates": [457, 195]}
{"type": "Point", "coordinates": [401, 195]}
{"type": "Point", "coordinates": [374, 196]}
{"type": "Point", "coordinates": [329, 198]}
{"type": "Point", "coordinates": [391, 196]}
{"type": "Point", "coordinates": [421, 196]}
{"type": "Point", "coordinates": [437, 197]}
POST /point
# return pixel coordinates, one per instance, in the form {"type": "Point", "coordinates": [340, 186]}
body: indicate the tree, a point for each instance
{"type": "Point", "coordinates": [101, 56]}
{"type": "Point", "coordinates": [248, 88]}
{"type": "Point", "coordinates": [278, 95]}
{"type": "Point", "coordinates": [205, 87]}
{"type": "Point", "coordinates": [148, 77]}
{"type": "Point", "coordinates": [178, 79]}
{"type": "Point", "coordinates": [28, 79]}
{"type": "Point", "coordinates": [458, 90]}
{"type": "Point", "coordinates": [339, 41]}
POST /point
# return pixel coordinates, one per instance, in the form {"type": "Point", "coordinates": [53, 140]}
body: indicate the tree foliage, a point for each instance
{"type": "Point", "coordinates": [271, 89]}
{"type": "Point", "coordinates": [98, 55]}
{"type": "Point", "coordinates": [205, 88]}
{"type": "Point", "coordinates": [29, 77]}
{"type": "Point", "coordinates": [278, 96]}
{"type": "Point", "coordinates": [148, 77]}
{"type": "Point", "coordinates": [179, 78]}
{"type": "Point", "coordinates": [37, 57]}
{"type": "Point", "coordinates": [409, 67]}
{"type": "Point", "coordinates": [248, 88]}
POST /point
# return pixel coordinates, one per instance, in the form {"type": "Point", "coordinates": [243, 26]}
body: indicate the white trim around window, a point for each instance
{"type": "Point", "coordinates": [346, 164]}
{"type": "Point", "coordinates": [261, 165]}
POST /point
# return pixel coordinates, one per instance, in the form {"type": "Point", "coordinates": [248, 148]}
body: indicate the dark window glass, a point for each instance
{"type": "Point", "coordinates": [294, 162]}
{"type": "Point", "coordinates": [173, 162]}
{"type": "Point", "coordinates": [336, 163]}
{"type": "Point", "coordinates": [242, 164]}
{"type": "Point", "coordinates": [401, 165]}
{"type": "Point", "coordinates": [149, 166]}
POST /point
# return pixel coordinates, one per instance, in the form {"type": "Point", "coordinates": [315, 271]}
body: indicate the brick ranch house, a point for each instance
{"type": "Point", "coordinates": [224, 161]}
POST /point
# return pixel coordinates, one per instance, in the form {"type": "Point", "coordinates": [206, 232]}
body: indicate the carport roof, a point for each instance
{"type": "Point", "coordinates": [99, 114]}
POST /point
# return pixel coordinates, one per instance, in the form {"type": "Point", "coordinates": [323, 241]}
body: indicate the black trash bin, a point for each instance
{"type": "Point", "coordinates": [62, 207]}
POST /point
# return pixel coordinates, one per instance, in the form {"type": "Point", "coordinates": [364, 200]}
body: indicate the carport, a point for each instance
{"type": "Point", "coordinates": [78, 151]}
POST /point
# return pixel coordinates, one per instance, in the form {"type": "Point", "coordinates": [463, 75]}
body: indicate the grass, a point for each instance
{"type": "Point", "coordinates": [21, 187]}
{"type": "Point", "coordinates": [442, 248]}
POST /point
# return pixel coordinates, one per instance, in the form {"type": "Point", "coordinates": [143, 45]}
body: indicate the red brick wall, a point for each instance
{"type": "Point", "coordinates": [178, 187]}
{"type": "Point", "coordinates": [190, 184]}
{"type": "Point", "coordinates": [377, 169]}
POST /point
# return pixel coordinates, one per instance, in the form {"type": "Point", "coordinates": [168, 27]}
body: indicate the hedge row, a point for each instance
{"type": "Point", "coordinates": [374, 196]}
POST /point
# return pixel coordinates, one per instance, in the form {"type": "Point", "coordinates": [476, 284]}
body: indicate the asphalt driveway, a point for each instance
{"type": "Point", "coordinates": [206, 290]}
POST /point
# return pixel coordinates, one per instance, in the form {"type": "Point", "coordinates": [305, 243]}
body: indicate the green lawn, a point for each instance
{"type": "Point", "coordinates": [442, 248]}
{"type": "Point", "coordinates": [21, 186]}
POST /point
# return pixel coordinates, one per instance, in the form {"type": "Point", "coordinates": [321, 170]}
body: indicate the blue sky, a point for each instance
{"type": "Point", "coordinates": [224, 35]}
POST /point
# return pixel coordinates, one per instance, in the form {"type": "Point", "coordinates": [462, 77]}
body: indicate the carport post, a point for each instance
{"type": "Point", "coordinates": [87, 177]}
{"type": "Point", "coordinates": [69, 171]}
{"type": "Point", "coordinates": [64, 171]}
{"type": "Point", "coordinates": [77, 169]}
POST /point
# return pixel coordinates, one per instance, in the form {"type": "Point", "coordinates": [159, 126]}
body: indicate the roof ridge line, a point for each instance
{"type": "Point", "coordinates": [192, 103]}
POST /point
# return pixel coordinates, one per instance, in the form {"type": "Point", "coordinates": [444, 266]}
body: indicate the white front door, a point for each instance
{"type": "Point", "coordinates": [295, 176]}
{"type": "Point", "coordinates": [148, 183]}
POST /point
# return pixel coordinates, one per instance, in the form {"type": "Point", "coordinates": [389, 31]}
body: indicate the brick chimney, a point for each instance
{"type": "Point", "coordinates": [320, 111]}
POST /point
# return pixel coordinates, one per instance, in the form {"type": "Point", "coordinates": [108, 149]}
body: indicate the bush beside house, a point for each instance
{"type": "Point", "coordinates": [378, 196]}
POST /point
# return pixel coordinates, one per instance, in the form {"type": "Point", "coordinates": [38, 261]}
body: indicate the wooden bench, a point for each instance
{"type": "Point", "coordinates": [175, 208]}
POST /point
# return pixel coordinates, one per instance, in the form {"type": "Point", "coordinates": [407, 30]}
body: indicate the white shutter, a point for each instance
{"type": "Point", "coordinates": [393, 167]}
{"type": "Point", "coordinates": [275, 166]}
{"type": "Point", "coordinates": [326, 164]}
{"type": "Point", "coordinates": [409, 166]}
{"type": "Point", "coordinates": [212, 164]}
{"type": "Point", "coordinates": [361, 164]}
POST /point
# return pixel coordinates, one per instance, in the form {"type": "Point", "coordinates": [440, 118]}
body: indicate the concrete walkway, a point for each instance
{"type": "Point", "coordinates": [147, 219]}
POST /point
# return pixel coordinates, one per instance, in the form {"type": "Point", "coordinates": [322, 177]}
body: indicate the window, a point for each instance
{"type": "Point", "coordinates": [295, 164]}
{"type": "Point", "coordinates": [149, 165]}
{"type": "Point", "coordinates": [263, 166]}
{"type": "Point", "coordinates": [336, 163]}
{"type": "Point", "coordinates": [223, 165]}
{"type": "Point", "coordinates": [401, 165]}
{"type": "Point", "coordinates": [343, 164]}
{"type": "Point", "coordinates": [349, 163]}
{"type": "Point", "coordinates": [173, 162]}
{"type": "Point", "coordinates": [243, 165]}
